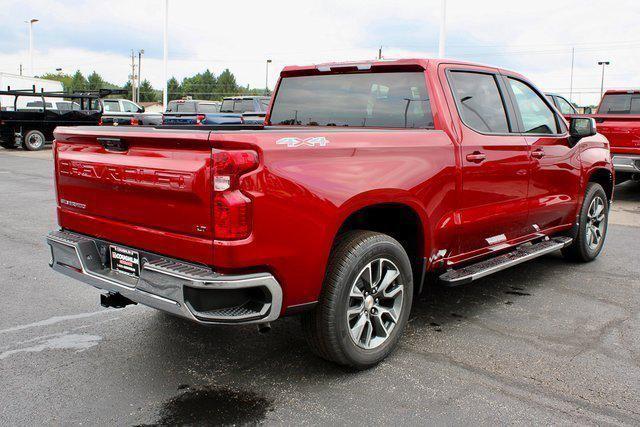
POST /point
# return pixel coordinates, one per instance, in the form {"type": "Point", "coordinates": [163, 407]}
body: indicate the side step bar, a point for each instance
{"type": "Point", "coordinates": [484, 268]}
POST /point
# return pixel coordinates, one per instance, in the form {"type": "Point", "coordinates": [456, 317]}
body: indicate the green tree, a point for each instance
{"type": "Point", "coordinates": [78, 82]}
{"type": "Point", "coordinates": [65, 79]}
{"type": "Point", "coordinates": [147, 92]}
{"type": "Point", "coordinates": [227, 83]}
{"type": "Point", "coordinates": [95, 82]}
{"type": "Point", "coordinates": [174, 90]}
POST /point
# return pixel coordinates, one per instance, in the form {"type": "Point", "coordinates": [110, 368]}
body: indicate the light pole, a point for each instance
{"type": "Point", "coordinates": [165, 54]}
{"type": "Point", "coordinates": [31, 22]}
{"type": "Point", "coordinates": [603, 63]}
{"type": "Point", "coordinates": [140, 53]}
{"type": "Point", "coordinates": [443, 29]}
{"type": "Point", "coordinates": [266, 81]}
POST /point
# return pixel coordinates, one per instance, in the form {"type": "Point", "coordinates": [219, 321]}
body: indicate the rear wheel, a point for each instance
{"type": "Point", "coordinates": [365, 302]}
{"type": "Point", "coordinates": [33, 141]}
{"type": "Point", "coordinates": [592, 227]}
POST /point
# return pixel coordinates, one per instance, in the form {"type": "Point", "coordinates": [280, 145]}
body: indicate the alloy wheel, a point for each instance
{"type": "Point", "coordinates": [375, 303]}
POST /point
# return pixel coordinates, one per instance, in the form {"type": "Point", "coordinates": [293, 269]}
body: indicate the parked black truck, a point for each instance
{"type": "Point", "coordinates": [33, 127]}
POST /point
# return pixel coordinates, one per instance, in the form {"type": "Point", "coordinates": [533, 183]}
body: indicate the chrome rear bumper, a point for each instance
{"type": "Point", "coordinates": [187, 290]}
{"type": "Point", "coordinates": [626, 163]}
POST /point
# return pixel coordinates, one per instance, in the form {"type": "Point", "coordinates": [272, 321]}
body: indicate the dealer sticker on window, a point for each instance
{"type": "Point", "coordinates": [125, 261]}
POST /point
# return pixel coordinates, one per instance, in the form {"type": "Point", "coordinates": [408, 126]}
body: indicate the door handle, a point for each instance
{"type": "Point", "coordinates": [476, 157]}
{"type": "Point", "coordinates": [537, 154]}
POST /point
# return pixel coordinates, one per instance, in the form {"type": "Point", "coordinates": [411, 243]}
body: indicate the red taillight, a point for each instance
{"type": "Point", "coordinates": [199, 119]}
{"type": "Point", "coordinates": [100, 122]}
{"type": "Point", "coordinates": [134, 121]}
{"type": "Point", "coordinates": [232, 209]}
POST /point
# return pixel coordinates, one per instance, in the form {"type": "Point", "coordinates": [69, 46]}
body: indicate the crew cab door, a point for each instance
{"type": "Point", "coordinates": [555, 164]}
{"type": "Point", "coordinates": [494, 160]}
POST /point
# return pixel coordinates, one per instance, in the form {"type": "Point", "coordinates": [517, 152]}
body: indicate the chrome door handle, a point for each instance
{"type": "Point", "coordinates": [537, 154]}
{"type": "Point", "coordinates": [476, 157]}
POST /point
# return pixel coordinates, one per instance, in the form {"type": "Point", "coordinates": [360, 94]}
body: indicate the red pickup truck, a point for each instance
{"type": "Point", "coordinates": [618, 119]}
{"type": "Point", "coordinates": [366, 178]}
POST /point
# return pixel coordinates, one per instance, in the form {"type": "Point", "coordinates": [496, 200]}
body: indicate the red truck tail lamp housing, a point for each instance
{"type": "Point", "coordinates": [200, 118]}
{"type": "Point", "coordinates": [232, 209]}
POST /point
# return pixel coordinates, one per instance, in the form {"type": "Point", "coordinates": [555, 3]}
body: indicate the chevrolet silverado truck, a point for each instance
{"type": "Point", "coordinates": [366, 179]}
{"type": "Point", "coordinates": [618, 119]}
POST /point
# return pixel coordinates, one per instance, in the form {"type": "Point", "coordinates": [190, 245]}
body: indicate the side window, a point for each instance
{"type": "Point", "coordinates": [111, 106]}
{"type": "Point", "coordinates": [130, 107]}
{"type": "Point", "coordinates": [564, 106]}
{"type": "Point", "coordinates": [537, 117]}
{"type": "Point", "coordinates": [479, 101]}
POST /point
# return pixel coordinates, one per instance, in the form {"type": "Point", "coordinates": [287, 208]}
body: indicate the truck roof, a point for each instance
{"type": "Point", "coordinates": [620, 91]}
{"type": "Point", "coordinates": [401, 63]}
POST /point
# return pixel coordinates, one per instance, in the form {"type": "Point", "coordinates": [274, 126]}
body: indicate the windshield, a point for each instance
{"type": "Point", "coordinates": [396, 100]}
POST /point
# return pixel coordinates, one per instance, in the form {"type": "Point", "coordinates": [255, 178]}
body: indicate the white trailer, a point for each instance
{"type": "Point", "coordinates": [16, 82]}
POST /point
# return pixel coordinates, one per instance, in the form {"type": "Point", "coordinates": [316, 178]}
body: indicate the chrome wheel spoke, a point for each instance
{"type": "Point", "coordinates": [358, 328]}
{"type": "Point", "coordinates": [375, 303]}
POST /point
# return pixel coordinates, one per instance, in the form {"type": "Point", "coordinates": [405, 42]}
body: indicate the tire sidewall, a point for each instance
{"type": "Point", "coordinates": [393, 251]}
{"type": "Point", "coordinates": [594, 191]}
{"type": "Point", "coordinates": [28, 146]}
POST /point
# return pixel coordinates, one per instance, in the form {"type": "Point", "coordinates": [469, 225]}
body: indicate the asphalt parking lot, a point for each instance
{"type": "Point", "coordinates": [547, 342]}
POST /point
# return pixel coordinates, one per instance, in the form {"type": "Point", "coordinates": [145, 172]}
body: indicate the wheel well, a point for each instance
{"type": "Point", "coordinates": [605, 179]}
{"type": "Point", "coordinates": [398, 221]}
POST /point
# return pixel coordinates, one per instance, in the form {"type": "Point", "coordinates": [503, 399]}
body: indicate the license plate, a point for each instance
{"type": "Point", "coordinates": [125, 261]}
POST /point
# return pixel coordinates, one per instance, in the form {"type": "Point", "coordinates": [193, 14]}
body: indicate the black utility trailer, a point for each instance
{"type": "Point", "coordinates": [33, 127]}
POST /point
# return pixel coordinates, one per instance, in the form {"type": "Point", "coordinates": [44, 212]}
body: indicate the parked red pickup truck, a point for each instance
{"type": "Point", "coordinates": [618, 119]}
{"type": "Point", "coordinates": [365, 178]}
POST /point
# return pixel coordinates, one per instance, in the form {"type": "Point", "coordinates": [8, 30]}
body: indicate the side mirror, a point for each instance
{"type": "Point", "coordinates": [141, 110]}
{"type": "Point", "coordinates": [581, 127]}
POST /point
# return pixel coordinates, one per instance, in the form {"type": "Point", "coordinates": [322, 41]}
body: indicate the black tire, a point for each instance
{"type": "Point", "coordinates": [327, 328]}
{"type": "Point", "coordinates": [582, 250]}
{"type": "Point", "coordinates": [33, 140]}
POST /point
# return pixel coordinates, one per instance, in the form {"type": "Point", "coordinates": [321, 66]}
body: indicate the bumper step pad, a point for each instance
{"type": "Point", "coordinates": [484, 268]}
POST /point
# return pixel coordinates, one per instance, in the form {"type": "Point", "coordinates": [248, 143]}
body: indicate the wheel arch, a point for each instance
{"type": "Point", "coordinates": [402, 219]}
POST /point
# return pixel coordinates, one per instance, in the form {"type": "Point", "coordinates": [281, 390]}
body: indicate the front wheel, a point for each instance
{"type": "Point", "coordinates": [365, 301]}
{"type": "Point", "coordinates": [592, 227]}
{"type": "Point", "coordinates": [33, 141]}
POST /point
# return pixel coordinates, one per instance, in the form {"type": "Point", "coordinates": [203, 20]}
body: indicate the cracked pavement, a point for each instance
{"type": "Point", "coordinates": [547, 342]}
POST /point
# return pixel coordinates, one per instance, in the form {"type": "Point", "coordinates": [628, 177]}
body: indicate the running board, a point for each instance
{"type": "Point", "coordinates": [492, 265]}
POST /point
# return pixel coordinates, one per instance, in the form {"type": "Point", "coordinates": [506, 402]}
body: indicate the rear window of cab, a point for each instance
{"type": "Point", "coordinates": [384, 99]}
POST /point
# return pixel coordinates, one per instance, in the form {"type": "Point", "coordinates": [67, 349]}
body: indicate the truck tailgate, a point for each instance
{"type": "Point", "coordinates": [143, 188]}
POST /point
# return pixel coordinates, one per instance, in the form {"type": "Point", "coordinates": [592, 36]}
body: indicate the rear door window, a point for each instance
{"type": "Point", "coordinates": [536, 115]}
{"type": "Point", "coordinates": [389, 100]}
{"type": "Point", "coordinates": [111, 106]}
{"type": "Point", "coordinates": [479, 101]}
{"type": "Point", "coordinates": [564, 106]}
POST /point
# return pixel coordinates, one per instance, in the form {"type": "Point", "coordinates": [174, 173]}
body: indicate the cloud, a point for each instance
{"type": "Point", "coordinates": [534, 38]}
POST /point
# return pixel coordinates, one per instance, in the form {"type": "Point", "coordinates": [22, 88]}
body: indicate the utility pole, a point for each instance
{"type": "Point", "coordinates": [31, 22]}
{"type": "Point", "coordinates": [165, 40]}
{"type": "Point", "coordinates": [380, 53]}
{"type": "Point", "coordinates": [20, 69]}
{"type": "Point", "coordinates": [266, 83]}
{"type": "Point", "coordinates": [133, 77]}
{"type": "Point", "coordinates": [573, 54]}
{"type": "Point", "coordinates": [443, 29]}
{"type": "Point", "coordinates": [603, 63]}
{"type": "Point", "coordinates": [140, 53]}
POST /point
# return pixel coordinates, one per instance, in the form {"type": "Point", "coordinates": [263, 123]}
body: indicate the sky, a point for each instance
{"type": "Point", "coordinates": [533, 38]}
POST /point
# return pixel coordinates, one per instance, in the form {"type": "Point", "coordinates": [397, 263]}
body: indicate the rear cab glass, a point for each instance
{"type": "Point", "coordinates": [622, 103]}
{"type": "Point", "coordinates": [181, 107]}
{"type": "Point", "coordinates": [382, 99]}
